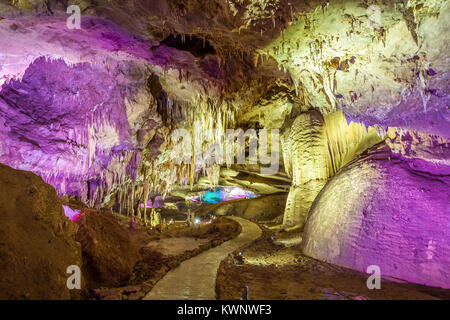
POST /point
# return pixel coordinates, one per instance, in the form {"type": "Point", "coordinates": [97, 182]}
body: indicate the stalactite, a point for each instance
{"type": "Point", "coordinates": [139, 198]}
{"type": "Point", "coordinates": [217, 115]}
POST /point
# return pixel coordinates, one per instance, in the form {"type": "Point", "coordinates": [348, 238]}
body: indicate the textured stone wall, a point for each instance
{"type": "Point", "coordinates": [382, 63]}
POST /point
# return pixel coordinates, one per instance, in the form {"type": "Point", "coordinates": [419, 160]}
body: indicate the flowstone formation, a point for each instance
{"type": "Point", "coordinates": [362, 218]}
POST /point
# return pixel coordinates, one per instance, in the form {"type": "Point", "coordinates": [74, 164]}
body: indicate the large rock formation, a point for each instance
{"type": "Point", "coordinates": [108, 254]}
{"type": "Point", "coordinates": [388, 210]}
{"type": "Point", "coordinates": [37, 242]}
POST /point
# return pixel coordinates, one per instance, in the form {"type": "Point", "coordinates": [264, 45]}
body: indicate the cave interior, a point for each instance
{"type": "Point", "coordinates": [287, 149]}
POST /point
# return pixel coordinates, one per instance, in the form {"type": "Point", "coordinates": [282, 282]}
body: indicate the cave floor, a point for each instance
{"type": "Point", "coordinates": [162, 250]}
{"type": "Point", "coordinates": [194, 279]}
{"type": "Point", "coordinates": [272, 271]}
{"type": "Point", "coordinates": [179, 263]}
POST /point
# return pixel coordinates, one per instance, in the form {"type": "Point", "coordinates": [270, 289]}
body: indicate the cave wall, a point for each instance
{"type": "Point", "coordinates": [70, 123]}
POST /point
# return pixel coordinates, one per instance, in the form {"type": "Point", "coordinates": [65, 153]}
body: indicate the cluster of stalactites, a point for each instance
{"type": "Point", "coordinates": [215, 118]}
{"type": "Point", "coordinates": [203, 115]}
{"type": "Point", "coordinates": [133, 198]}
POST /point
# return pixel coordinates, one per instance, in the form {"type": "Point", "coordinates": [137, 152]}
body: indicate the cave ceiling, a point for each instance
{"type": "Point", "coordinates": [92, 109]}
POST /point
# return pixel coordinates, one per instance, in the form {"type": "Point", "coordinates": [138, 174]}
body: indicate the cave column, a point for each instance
{"type": "Point", "coordinates": [120, 201]}
{"type": "Point", "coordinates": [139, 201]}
{"type": "Point", "coordinates": [127, 200]}
{"type": "Point", "coordinates": [307, 157]}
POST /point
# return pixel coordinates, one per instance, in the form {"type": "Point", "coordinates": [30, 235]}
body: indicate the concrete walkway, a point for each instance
{"type": "Point", "coordinates": [195, 279]}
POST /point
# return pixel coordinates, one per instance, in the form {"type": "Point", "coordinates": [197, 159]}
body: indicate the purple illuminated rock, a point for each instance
{"type": "Point", "coordinates": [70, 124]}
{"type": "Point", "coordinates": [386, 210]}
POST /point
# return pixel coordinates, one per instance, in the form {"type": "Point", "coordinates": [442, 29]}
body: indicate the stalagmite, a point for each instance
{"type": "Point", "coordinates": [94, 113]}
{"type": "Point", "coordinates": [127, 194]}
{"type": "Point", "coordinates": [120, 201]}
{"type": "Point", "coordinates": [146, 194]}
{"type": "Point", "coordinates": [132, 199]}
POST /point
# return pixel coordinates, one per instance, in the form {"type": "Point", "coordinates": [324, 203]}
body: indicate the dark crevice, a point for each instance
{"type": "Point", "coordinates": [198, 47]}
{"type": "Point", "coordinates": [159, 94]}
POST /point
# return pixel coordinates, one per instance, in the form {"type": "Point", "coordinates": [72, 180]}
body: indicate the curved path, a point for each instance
{"type": "Point", "coordinates": [195, 279]}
